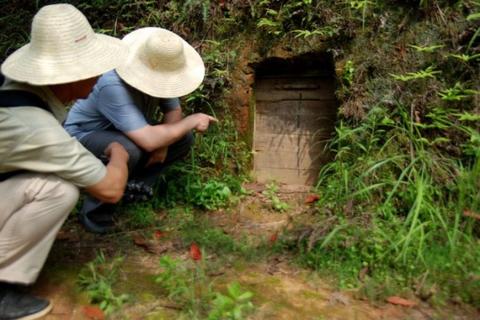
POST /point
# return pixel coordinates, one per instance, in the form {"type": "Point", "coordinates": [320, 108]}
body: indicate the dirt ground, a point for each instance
{"type": "Point", "coordinates": [281, 289]}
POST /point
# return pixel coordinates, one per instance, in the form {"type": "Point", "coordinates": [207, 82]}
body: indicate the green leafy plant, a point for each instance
{"type": "Point", "coordinates": [175, 279]}
{"type": "Point", "coordinates": [361, 5]}
{"type": "Point", "coordinates": [429, 72]}
{"type": "Point", "coordinates": [326, 31]}
{"type": "Point", "coordinates": [187, 284]}
{"type": "Point", "coordinates": [234, 305]}
{"type": "Point", "coordinates": [457, 93]}
{"type": "Point", "coordinates": [272, 27]}
{"type": "Point", "coordinates": [465, 57]}
{"type": "Point", "coordinates": [348, 72]}
{"type": "Point", "coordinates": [271, 193]}
{"type": "Point", "coordinates": [97, 279]}
{"type": "Point", "coordinates": [428, 49]}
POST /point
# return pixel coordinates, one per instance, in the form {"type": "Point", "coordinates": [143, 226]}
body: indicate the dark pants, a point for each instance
{"type": "Point", "coordinates": [97, 142]}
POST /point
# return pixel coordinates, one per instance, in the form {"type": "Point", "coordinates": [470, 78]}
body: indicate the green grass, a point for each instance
{"type": "Point", "coordinates": [406, 142]}
{"type": "Point", "coordinates": [97, 279]}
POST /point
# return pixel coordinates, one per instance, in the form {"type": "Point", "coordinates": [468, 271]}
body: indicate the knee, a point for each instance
{"type": "Point", "coordinates": [135, 155]}
{"type": "Point", "coordinates": [58, 194]}
{"type": "Point", "coordinates": [64, 197]}
{"type": "Point", "coordinates": [70, 194]}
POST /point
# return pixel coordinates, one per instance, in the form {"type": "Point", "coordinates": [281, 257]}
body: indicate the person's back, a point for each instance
{"type": "Point", "coordinates": [41, 166]}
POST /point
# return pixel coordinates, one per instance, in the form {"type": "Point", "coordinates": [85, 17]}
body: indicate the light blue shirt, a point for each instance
{"type": "Point", "coordinates": [113, 104]}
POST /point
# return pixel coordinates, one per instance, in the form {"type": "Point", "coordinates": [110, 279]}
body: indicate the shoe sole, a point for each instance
{"type": "Point", "coordinates": [39, 314]}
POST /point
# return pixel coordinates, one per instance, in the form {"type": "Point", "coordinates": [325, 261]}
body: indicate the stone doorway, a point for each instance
{"type": "Point", "coordinates": [295, 112]}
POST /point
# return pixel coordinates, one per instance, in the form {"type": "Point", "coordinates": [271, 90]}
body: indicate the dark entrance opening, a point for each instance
{"type": "Point", "coordinates": [295, 111]}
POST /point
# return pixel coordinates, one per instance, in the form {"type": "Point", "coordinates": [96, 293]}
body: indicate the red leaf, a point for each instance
{"type": "Point", "coordinates": [195, 252]}
{"type": "Point", "coordinates": [94, 313]}
{"type": "Point", "coordinates": [311, 198]}
{"type": "Point", "coordinates": [401, 302]}
{"type": "Point", "coordinates": [273, 238]}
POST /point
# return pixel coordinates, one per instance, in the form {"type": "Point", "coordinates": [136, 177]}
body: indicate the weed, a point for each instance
{"type": "Point", "coordinates": [326, 31]}
{"type": "Point", "coordinates": [187, 284]}
{"type": "Point", "coordinates": [174, 279]}
{"type": "Point", "coordinates": [465, 57]}
{"type": "Point", "coordinates": [457, 93]}
{"type": "Point", "coordinates": [97, 279]}
{"type": "Point", "coordinates": [348, 73]}
{"type": "Point", "coordinates": [271, 193]}
{"type": "Point", "coordinates": [232, 306]}
{"type": "Point", "coordinates": [427, 49]}
{"type": "Point", "coordinates": [429, 72]}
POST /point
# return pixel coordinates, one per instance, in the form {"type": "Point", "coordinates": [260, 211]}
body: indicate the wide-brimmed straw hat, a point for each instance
{"type": "Point", "coordinates": [63, 48]}
{"type": "Point", "coordinates": [161, 64]}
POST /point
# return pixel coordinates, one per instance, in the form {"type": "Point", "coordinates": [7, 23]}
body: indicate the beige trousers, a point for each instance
{"type": "Point", "coordinates": [33, 207]}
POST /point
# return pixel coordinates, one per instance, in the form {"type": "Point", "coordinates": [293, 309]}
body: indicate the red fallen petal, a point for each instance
{"type": "Point", "coordinates": [273, 238]}
{"type": "Point", "coordinates": [195, 252]}
{"type": "Point", "coordinates": [94, 313]}
{"type": "Point", "coordinates": [311, 198]}
{"type": "Point", "coordinates": [401, 302]}
{"type": "Point", "coordinates": [158, 234]}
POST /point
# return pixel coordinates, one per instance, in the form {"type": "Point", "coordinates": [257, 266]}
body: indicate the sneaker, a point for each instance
{"type": "Point", "coordinates": [96, 217]}
{"type": "Point", "coordinates": [15, 305]}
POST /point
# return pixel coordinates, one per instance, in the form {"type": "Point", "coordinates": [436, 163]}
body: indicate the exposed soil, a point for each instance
{"type": "Point", "coordinates": [282, 290]}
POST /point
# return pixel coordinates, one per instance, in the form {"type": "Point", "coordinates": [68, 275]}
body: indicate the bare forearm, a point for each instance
{"type": "Point", "coordinates": [151, 138]}
{"type": "Point", "coordinates": [110, 189]}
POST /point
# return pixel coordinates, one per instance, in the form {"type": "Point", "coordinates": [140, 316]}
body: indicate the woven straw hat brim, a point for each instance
{"type": "Point", "coordinates": [103, 54]}
{"type": "Point", "coordinates": [164, 84]}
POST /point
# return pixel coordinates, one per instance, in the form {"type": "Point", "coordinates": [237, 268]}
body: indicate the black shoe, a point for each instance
{"type": "Point", "coordinates": [15, 305]}
{"type": "Point", "coordinates": [96, 217]}
{"type": "Point", "coordinates": [136, 191]}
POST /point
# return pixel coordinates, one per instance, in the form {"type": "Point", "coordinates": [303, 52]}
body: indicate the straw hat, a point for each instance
{"type": "Point", "coordinates": [161, 64]}
{"type": "Point", "coordinates": [63, 48]}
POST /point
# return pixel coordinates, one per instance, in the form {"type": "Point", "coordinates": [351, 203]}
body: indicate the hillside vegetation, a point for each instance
{"type": "Point", "coordinates": [399, 204]}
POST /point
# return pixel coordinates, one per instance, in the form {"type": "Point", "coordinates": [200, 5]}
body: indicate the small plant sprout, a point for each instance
{"type": "Point", "coordinates": [456, 93]}
{"type": "Point", "coordinates": [466, 116]}
{"type": "Point", "coordinates": [235, 305]}
{"type": "Point", "coordinates": [322, 32]}
{"type": "Point", "coordinates": [271, 193]}
{"type": "Point", "coordinates": [272, 27]}
{"type": "Point", "coordinates": [348, 72]}
{"type": "Point", "coordinates": [429, 72]}
{"type": "Point", "coordinates": [465, 57]}
{"type": "Point", "coordinates": [97, 279]}
{"type": "Point", "coordinates": [361, 5]}
{"type": "Point", "coordinates": [427, 49]}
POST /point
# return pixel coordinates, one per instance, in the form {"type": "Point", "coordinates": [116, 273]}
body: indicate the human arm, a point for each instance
{"type": "Point", "coordinates": [40, 144]}
{"type": "Point", "coordinates": [110, 189]}
{"type": "Point", "coordinates": [153, 137]}
{"type": "Point", "coordinates": [172, 115]}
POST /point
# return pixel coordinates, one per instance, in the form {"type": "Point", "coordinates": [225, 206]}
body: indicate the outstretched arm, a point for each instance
{"type": "Point", "coordinates": [151, 137]}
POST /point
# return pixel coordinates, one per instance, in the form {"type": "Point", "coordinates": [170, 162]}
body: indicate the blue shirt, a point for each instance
{"type": "Point", "coordinates": [113, 104]}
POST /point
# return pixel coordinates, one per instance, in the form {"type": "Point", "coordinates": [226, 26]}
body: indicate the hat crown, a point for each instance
{"type": "Point", "coordinates": [163, 51]}
{"type": "Point", "coordinates": [60, 29]}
